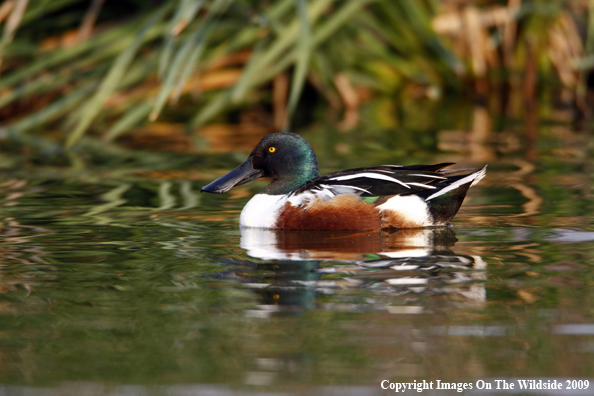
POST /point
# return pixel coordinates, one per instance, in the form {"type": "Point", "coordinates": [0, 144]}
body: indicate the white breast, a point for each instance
{"type": "Point", "coordinates": [262, 211]}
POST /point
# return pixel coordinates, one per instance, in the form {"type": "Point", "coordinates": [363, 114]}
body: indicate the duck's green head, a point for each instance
{"type": "Point", "coordinates": [284, 157]}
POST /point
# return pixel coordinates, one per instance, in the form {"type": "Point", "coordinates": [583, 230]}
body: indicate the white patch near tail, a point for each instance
{"type": "Point", "coordinates": [411, 207]}
{"type": "Point", "coordinates": [473, 177]}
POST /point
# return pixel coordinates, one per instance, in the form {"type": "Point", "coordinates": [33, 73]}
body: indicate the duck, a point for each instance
{"type": "Point", "coordinates": [360, 199]}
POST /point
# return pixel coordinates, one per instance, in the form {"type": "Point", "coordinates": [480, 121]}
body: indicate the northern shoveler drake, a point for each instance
{"type": "Point", "coordinates": [386, 196]}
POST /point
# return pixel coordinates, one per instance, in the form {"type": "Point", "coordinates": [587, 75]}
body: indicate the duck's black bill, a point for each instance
{"type": "Point", "coordinates": [242, 174]}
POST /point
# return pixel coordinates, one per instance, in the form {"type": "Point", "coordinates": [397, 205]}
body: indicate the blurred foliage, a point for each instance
{"type": "Point", "coordinates": [69, 66]}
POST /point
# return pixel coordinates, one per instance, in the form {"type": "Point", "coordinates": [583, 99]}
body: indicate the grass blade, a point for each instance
{"type": "Point", "coordinates": [13, 22]}
{"type": "Point", "coordinates": [190, 65]}
{"type": "Point", "coordinates": [53, 111]}
{"type": "Point", "coordinates": [304, 50]}
{"type": "Point", "coordinates": [186, 10]}
{"type": "Point", "coordinates": [109, 42]}
{"type": "Point", "coordinates": [262, 60]}
{"type": "Point", "coordinates": [110, 82]}
{"type": "Point", "coordinates": [132, 117]}
{"type": "Point", "coordinates": [338, 19]}
{"type": "Point", "coordinates": [181, 58]}
{"type": "Point", "coordinates": [249, 72]}
{"type": "Point", "coordinates": [211, 109]}
{"type": "Point", "coordinates": [191, 47]}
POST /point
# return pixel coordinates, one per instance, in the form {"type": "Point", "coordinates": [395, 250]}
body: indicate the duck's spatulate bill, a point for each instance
{"type": "Point", "coordinates": [242, 174]}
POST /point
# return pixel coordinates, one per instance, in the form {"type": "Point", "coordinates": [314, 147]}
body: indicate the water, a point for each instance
{"type": "Point", "coordinates": [125, 280]}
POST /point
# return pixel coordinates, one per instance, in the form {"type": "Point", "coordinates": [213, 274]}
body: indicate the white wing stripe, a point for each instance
{"type": "Point", "coordinates": [422, 185]}
{"type": "Point", "coordinates": [479, 175]}
{"type": "Point", "coordinates": [344, 186]}
{"type": "Point", "coordinates": [429, 176]}
{"type": "Point", "coordinates": [369, 175]}
{"type": "Point", "coordinates": [383, 171]}
{"type": "Point", "coordinates": [473, 177]}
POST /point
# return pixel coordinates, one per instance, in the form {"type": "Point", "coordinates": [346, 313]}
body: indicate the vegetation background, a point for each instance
{"type": "Point", "coordinates": [114, 269]}
{"type": "Point", "coordinates": [196, 73]}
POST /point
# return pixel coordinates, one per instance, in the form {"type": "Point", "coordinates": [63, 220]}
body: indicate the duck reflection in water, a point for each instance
{"type": "Point", "coordinates": [293, 267]}
{"type": "Point", "coordinates": [346, 245]}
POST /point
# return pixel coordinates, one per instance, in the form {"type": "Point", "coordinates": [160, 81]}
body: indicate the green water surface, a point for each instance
{"type": "Point", "coordinates": [120, 280]}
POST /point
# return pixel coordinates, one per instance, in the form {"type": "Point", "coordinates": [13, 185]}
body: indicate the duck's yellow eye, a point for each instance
{"type": "Point", "coordinates": [272, 149]}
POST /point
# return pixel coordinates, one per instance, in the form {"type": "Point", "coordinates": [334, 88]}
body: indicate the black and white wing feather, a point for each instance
{"type": "Point", "coordinates": [426, 181]}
